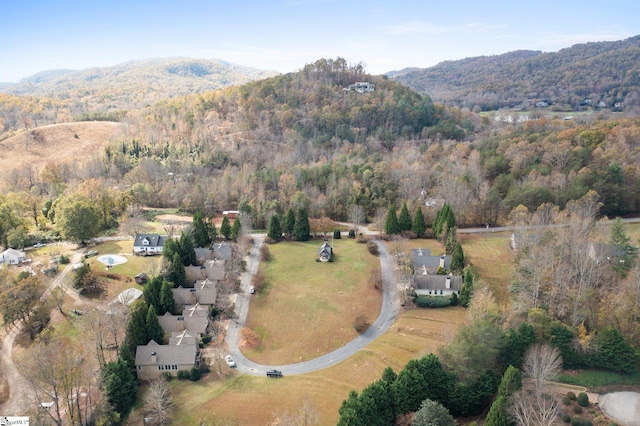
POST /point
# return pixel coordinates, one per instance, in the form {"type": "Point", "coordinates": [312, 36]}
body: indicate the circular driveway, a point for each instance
{"type": "Point", "coordinates": [388, 313]}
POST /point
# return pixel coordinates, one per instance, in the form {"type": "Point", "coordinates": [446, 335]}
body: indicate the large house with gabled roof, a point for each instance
{"type": "Point", "coordinates": [149, 244]}
{"type": "Point", "coordinates": [181, 354]}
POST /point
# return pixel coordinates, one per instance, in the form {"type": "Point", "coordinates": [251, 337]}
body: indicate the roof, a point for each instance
{"type": "Point", "coordinates": [325, 248]}
{"type": "Point", "coordinates": [204, 296]}
{"type": "Point", "coordinates": [153, 240]}
{"type": "Point", "coordinates": [12, 254]}
{"type": "Point", "coordinates": [221, 251]}
{"type": "Point", "coordinates": [196, 310]}
{"type": "Point", "coordinates": [423, 257]}
{"type": "Point", "coordinates": [183, 338]}
{"type": "Point", "coordinates": [436, 282]}
{"type": "Point", "coordinates": [194, 324]}
{"type": "Point", "coordinates": [128, 296]}
{"type": "Point", "coordinates": [178, 354]}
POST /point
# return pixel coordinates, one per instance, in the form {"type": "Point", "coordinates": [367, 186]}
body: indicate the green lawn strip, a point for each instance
{"type": "Point", "coordinates": [598, 378]}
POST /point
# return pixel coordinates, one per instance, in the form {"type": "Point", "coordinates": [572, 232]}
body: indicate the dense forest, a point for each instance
{"type": "Point", "coordinates": [573, 78]}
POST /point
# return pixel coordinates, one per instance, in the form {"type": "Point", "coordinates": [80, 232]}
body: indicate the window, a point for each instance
{"type": "Point", "coordinates": [440, 291]}
{"type": "Point", "coordinates": [139, 367]}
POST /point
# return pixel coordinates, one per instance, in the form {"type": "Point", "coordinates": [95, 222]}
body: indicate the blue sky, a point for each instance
{"type": "Point", "coordinates": [283, 35]}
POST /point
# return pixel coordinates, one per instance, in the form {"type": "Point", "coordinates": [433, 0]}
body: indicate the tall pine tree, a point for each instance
{"type": "Point", "coordinates": [236, 228]}
{"type": "Point", "coordinates": [120, 386]}
{"type": "Point", "coordinates": [419, 225]}
{"type": "Point", "coordinates": [391, 224]}
{"type": "Point", "coordinates": [289, 223]}
{"type": "Point", "coordinates": [136, 333]}
{"type": "Point", "coordinates": [225, 227]}
{"type": "Point", "coordinates": [467, 289]}
{"type": "Point", "coordinates": [154, 330]}
{"type": "Point", "coordinates": [274, 232]}
{"type": "Point", "coordinates": [167, 302]}
{"type": "Point", "coordinates": [301, 229]}
{"type": "Point", "coordinates": [404, 220]}
{"type": "Point", "coordinates": [187, 253]}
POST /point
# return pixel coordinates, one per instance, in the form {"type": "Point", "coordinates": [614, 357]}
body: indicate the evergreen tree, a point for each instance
{"type": "Point", "coordinates": [176, 271]}
{"type": "Point", "coordinates": [151, 292]}
{"type": "Point", "coordinates": [432, 413]}
{"type": "Point", "coordinates": [136, 333]}
{"type": "Point", "coordinates": [391, 226]}
{"type": "Point", "coordinates": [615, 353]}
{"type": "Point", "coordinates": [498, 413]}
{"type": "Point", "coordinates": [187, 252]}
{"type": "Point", "coordinates": [467, 289]}
{"type": "Point", "coordinates": [511, 382]}
{"type": "Point", "coordinates": [452, 240]}
{"type": "Point", "coordinates": [289, 223]}
{"type": "Point", "coordinates": [348, 411]}
{"type": "Point", "coordinates": [235, 229]}
{"type": "Point", "coordinates": [169, 248]}
{"type": "Point", "coordinates": [120, 386]}
{"type": "Point", "coordinates": [388, 375]}
{"type": "Point", "coordinates": [167, 302]}
{"type": "Point", "coordinates": [419, 225]}
{"type": "Point", "coordinates": [444, 221]}
{"type": "Point", "coordinates": [626, 254]}
{"type": "Point", "coordinates": [457, 259]}
{"type": "Point", "coordinates": [201, 230]}
{"type": "Point", "coordinates": [404, 220]}
{"type": "Point", "coordinates": [154, 330]}
{"type": "Point", "coordinates": [301, 229]}
{"type": "Point", "coordinates": [225, 227]}
{"type": "Point", "coordinates": [274, 232]}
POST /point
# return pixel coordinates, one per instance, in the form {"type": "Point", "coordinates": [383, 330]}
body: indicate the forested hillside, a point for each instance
{"type": "Point", "coordinates": [306, 139]}
{"type": "Point", "coordinates": [602, 71]}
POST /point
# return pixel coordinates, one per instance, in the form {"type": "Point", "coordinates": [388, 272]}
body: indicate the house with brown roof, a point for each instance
{"type": "Point", "coordinates": [194, 319]}
{"type": "Point", "coordinates": [203, 293]}
{"type": "Point", "coordinates": [181, 354]}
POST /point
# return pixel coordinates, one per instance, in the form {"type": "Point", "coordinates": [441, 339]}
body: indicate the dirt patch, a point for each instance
{"type": "Point", "coordinates": [4, 390]}
{"type": "Point", "coordinates": [249, 339]}
{"type": "Point", "coordinates": [174, 218]}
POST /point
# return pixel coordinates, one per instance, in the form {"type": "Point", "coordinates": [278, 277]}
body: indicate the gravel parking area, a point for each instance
{"type": "Point", "coordinates": [623, 407]}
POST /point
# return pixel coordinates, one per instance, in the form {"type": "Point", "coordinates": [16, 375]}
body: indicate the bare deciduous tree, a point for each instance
{"type": "Point", "coordinates": [356, 216]}
{"type": "Point", "coordinates": [158, 401]}
{"type": "Point", "coordinates": [542, 363]}
{"type": "Point", "coordinates": [530, 408]}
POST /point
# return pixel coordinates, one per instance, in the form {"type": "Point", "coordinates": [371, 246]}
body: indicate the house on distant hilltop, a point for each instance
{"type": "Point", "coordinates": [181, 354]}
{"type": "Point", "coordinates": [12, 257]}
{"type": "Point", "coordinates": [149, 244]}
{"type": "Point", "coordinates": [360, 87]}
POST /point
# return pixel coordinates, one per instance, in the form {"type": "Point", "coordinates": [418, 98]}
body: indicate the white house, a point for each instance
{"type": "Point", "coordinates": [12, 257]}
{"type": "Point", "coordinates": [149, 243]}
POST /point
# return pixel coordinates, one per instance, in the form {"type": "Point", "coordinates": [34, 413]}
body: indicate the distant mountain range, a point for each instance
{"type": "Point", "coordinates": [136, 83]}
{"type": "Point", "coordinates": [604, 73]}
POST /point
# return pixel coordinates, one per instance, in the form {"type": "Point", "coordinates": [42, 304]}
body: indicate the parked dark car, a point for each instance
{"type": "Point", "coordinates": [274, 373]}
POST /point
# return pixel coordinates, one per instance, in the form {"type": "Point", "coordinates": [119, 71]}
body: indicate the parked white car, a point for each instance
{"type": "Point", "coordinates": [252, 289]}
{"type": "Point", "coordinates": [230, 362]}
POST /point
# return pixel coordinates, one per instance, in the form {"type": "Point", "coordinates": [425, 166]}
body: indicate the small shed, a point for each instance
{"type": "Point", "coordinates": [141, 278]}
{"type": "Point", "coordinates": [325, 252]}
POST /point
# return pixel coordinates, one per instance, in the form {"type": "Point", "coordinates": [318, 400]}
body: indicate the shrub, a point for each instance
{"type": "Point", "coordinates": [373, 248]}
{"type": "Point", "coordinates": [583, 399]}
{"type": "Point", "coordinates": [167, 376]}
{"type": "Point", "coordinates": [183, 374]}
{"type": "Point", "coordinates": [265, 254]}
{"type": "Point", "coordinates": [375, 279]}
{"type": "Point", "coordinates": [577, 409]}
{"type": "Point", "coordinates": [64, 259]}
{"type": "Point", "coordinates": [362, 239]}
{"type": "Point", "coordinates": [432, 301]}
{"type": "Point", "coordinates": [352, 233]}
{"type": "Point", "coordinates": [360, 324]}
{"type": "Point", "coordinates": [566, 418]}
{"type": "Point", "coordinates": [571, 396]}
{"type": "Point", "coordinates": [258, 281]}
{"type": "Point", "coordinates": [195, 374]}
{"type": "Point", "coordinates": [337, 235]}
{"type": "Point", "coordinates": [206, 339]}
{"type": "Point", "coordinates": [454, 299]}
{"type": "Point", "coordinates": [576, 422]}
{"type": "Point", "coordinates": [566, 401]}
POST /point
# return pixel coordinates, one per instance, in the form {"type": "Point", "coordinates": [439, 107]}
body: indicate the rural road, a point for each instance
{"type": "Point", "coordinates": [18, 387]}
{"type": "Point", "coordinates": [388, 313]}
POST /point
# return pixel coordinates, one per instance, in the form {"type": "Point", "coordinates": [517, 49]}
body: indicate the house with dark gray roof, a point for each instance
{"type": "Point", "coordinates": [149, 244]}
{"type": "Point", "coordinates": [153, 360]}
{"type": "Point", "coordinates": [437, 285]}
{"type": "Point", "coordinates": [422, 260]}
{"type": "Point", "coordinates": [325, 252]}
{"type": "Point", "coordinates": [204, 292]}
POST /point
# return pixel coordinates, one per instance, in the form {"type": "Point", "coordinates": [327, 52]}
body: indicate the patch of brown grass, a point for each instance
{"type": "Point", "coordinates": [249, 339]}
{"type": "Point", "coordinates": [56, 143]}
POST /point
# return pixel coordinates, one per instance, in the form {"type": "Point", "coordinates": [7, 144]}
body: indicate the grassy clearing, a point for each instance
{"type": "Point", "coordinates": [307, 308]}
{"type": "Point", "coordinates": [492, 259]}
{"type": "Point", "coordinates": [246, 400]}
{"type": "Point", "coordinates": [597, 378]}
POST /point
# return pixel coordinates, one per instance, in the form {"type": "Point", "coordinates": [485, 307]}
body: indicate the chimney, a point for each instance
{"type": "Point", "coordinates": [154, 357]}
{"type": "Point", "coordinates": [419, 252]}
{"type": "Point", "coordinates": [192, 293]}
{"type": "Point", "coordinates": [424, 270]}
{"type": "Point", "coordinates": [442, 261]}
{"type": "Point", "coordinates": [180, 323]}
{"type": "Point", "coordinates": [447, 283]}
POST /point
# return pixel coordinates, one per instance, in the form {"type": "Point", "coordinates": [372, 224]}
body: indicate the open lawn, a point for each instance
{"type": "Point", "coordinates": [492, 259]}
{"type": "Point", "coordinates": [248, 400]}
{"type": "Point", "coordinates": [307, 308]}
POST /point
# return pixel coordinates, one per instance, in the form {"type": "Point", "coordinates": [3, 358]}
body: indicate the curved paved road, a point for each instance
{"type": "Point", "coordinates": [388, 313]}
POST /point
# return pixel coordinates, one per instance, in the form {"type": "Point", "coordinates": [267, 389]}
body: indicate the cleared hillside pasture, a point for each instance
{"type": "Point", "coordinates": [56, 143]}
{"type": "Point", "coordinates": [248, 400]}
{"type": "Point", "coordinates": [307, 308]}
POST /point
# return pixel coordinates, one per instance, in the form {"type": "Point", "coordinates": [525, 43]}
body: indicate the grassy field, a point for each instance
{"type": "Point", "coordinates": [307, 308]}
{"type": "Point", "coordinates": [597, 378]}
{"type": "Point", "coordinates": [493, 260]}
{"type": "Point", "coordinates": [247, 400]}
